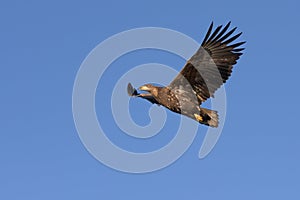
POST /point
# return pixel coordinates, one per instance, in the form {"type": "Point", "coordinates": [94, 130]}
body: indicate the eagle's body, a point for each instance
{"type": "Point", "coordinates": [202, 75]}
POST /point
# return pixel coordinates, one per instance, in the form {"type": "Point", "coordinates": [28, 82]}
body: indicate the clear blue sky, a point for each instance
{"type": "Point", "coordinates": [42, 47]}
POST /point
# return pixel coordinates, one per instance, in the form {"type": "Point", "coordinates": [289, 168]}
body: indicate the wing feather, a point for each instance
{"type": "Point", "coordinates": [211, 65]}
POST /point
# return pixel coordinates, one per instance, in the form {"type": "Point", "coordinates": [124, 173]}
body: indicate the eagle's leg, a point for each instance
{"type": "Point", "coordinates": [198, 117]}
{"type": "Point", "coordinates": [207, 117]}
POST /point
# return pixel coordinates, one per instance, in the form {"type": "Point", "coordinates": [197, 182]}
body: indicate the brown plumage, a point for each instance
{"type": "Point", "coordinates": [201, 76]}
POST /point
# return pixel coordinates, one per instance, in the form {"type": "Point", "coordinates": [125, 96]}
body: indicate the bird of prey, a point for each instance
{"type": "Point", "coordinates": [201, 76]}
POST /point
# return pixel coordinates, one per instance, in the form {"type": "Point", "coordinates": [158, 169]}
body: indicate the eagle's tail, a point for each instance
{"type": "Point", "coordinates": [208, 117]}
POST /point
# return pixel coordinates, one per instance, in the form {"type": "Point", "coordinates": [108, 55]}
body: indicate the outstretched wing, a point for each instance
{"type": "Point", "coordinates": [211, 65]}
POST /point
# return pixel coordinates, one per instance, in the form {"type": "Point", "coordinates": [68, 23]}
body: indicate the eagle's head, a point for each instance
{"type": "Point", "coordinates": [150, 88]}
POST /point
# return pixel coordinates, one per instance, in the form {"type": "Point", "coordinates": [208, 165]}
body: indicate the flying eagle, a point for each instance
{"type": "Point", "coordinates": [201, 76]}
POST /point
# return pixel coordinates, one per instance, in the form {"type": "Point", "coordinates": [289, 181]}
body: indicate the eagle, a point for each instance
{"type": "Point", "coordinates": [201, 76]}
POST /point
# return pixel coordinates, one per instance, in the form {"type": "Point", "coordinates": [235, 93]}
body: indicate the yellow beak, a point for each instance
{"type": "Point", "coordinates": [144, 88]}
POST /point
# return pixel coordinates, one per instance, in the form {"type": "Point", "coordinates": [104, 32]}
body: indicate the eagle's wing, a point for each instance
{"type": "Point", "coordinates": [211, 65]}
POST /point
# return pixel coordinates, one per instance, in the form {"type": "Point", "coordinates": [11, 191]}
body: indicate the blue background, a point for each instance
{"type": "Point", "coordinates": [42, 45]}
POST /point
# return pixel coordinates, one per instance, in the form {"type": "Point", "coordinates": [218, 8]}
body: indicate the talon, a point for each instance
{"type": "Point", "coordinates": [198, 117]}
